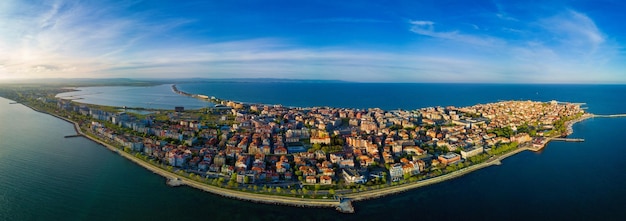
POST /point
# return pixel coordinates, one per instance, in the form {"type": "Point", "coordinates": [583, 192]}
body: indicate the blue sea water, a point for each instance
{"type": "Point", "coordinates": [44, 176]}
{"type": "Point", "coordinates": [390, 96]}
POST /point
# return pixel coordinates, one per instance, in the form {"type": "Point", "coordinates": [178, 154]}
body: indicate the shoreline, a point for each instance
{"type": "Point", "coordinates": [224, 192]}
{"type": "Point", "coordinates": [372, 194]}
{"type": "Point", "coordinates": [343, 205]}
{"type": "Point", "coordinates": [391, 190]}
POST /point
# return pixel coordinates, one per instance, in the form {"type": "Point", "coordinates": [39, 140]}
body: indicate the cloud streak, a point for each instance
{"type": "Point", "coordinates": [345, 20]}
{"type": "Point", "coordinates": [74, 37]}
{"type": "Point", "coordinates": [565, 47]}
{"type": "Point", "coordinates": [427, 28]}
{"type": "Point", "coordinates": [77, 39]}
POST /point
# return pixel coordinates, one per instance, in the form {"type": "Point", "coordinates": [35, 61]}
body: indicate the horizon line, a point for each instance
{"type": "Point", "coordinates": [261, 79]}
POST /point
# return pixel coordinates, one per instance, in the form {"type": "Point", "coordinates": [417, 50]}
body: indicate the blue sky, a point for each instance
{"type": "Point", "coordinates": [364, 41]}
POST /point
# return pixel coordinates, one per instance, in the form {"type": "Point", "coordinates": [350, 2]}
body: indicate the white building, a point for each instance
{"type": "Point", "coordinates": [396, 172]}
{"type": "Point", "coordinates": [472, 151]}
{"type": "Point", "coordinates": [352, 176]}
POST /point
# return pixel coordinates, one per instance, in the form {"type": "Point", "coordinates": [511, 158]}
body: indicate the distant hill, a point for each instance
{"type": "Point", "coordinates": [86, 82]}
{"type": "Point", "coordinates": [76, 82]}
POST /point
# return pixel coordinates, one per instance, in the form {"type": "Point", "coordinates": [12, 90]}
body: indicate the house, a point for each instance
{"type": "Point", "coordinates": [411, 168]}
{"type": "Point", "coordinates": [415, 150]}
{"type": "Point", "coordinates": [248, 176]}
{"type": "Point", "coordinates": [280, 150]}
{"type": "Point", "coordinates": [288, 175]}
{"type": "Point", "coordinates": [326, 180]}
{"type": "Point", "coordinates": [311, 179]}
{"type": "Point", "coordinates": [328, 171]}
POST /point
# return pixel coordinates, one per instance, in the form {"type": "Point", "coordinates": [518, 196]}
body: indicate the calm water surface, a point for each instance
{"type": "Point", "coordinates": [160, 97]}
{"type": "Point", "coordinates": [388, 96]}
{"type": "Point", "coordinates": [47, 177]}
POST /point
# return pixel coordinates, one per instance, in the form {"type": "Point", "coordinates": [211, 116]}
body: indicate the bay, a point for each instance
{"type": "Point", "coordinates": [158, 97]}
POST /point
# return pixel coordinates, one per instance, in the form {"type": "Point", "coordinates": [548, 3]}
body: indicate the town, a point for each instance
{"type": "Point", "coordinates": [317, 152]}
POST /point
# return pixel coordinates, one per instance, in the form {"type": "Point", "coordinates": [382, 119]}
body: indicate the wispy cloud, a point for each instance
{"type": "Point", "coordinates": [502, 14]}
{"type": "Point", "coordinates": [68, 39]}
{"type": "Point", "coordinates": [345, 20]}
{"type": "Point", "coordinates": [567, 45]}
{"type": "Point", "coordinates": [575, 30]}
{"type": "Point", "coordinates": [427, 28]}
{"type": "Point", "coordinates": [63, 38]}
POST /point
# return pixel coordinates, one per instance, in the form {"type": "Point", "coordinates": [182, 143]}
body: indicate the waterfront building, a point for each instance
{"type": "Point", "coordinates": [353, 176]}
{"type": "Point", "coordinates": [449, 158]}
{"type": "Point", "coordinates": [471, 151]}
{"type": "Point", "coordinates": [396, 172]}
{"type": "Point", "coordinates": [326, 180]}
{"type": "Point", "coordinates": [311, 180]}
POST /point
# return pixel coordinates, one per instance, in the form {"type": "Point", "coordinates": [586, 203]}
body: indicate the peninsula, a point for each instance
{"type": "Point", "coordinates": [312, 156]}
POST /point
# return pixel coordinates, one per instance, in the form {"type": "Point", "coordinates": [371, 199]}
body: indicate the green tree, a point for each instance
{"type": "Point", "coordinates": [331, 192]}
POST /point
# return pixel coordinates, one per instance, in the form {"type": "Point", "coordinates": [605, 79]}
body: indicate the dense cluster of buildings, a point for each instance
{"type": "Point", "coordinates": [272, 143]}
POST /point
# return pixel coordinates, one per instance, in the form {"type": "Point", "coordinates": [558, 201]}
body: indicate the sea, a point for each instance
{"type": "Point", "coordinates": [44, 176]}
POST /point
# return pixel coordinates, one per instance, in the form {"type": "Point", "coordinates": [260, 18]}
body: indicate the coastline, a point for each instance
{"type": "Point", "coordinates": [344, 207]}
{"type": "Point", "coordinates": [386, 191]}
{"type": "Point", "coordinates": [372, 194]}
{"type": "Point", "coordinates": [341, 205]}
{"type": "Point", "coordinates": [235, 194]}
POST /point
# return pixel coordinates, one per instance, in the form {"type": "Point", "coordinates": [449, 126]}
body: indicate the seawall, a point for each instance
{"type": "Point", "coordinates": [293, 201]}
{"type": "Point", "coordinates": [235, 194]}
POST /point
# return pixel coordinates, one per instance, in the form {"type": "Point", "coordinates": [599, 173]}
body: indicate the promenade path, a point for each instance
{"type": "Point", "coordinates": [181, 180]}
{"type": "Point", "coordinates": [409, 186]}
{"type": "Point", "coordinates": [342, 204]}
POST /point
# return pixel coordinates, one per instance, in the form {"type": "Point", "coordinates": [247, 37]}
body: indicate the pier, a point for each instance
{"type": "Point", "coordinates": [345, 205]}
{"type": "Point", "coordinates": [569, 139]}
{"type": "Point", "coordinates": [174, 182]}
{"type": "Point", "coordinates": [610, 115]}
{"type": "Point", "coordinates": [74, 135]}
